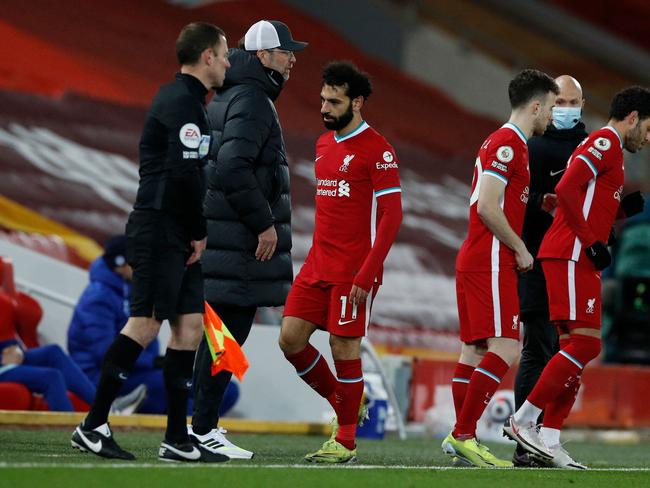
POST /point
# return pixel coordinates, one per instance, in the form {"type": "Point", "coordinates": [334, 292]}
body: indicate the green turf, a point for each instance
{"type": "Point", "coordinates": [44, 458]}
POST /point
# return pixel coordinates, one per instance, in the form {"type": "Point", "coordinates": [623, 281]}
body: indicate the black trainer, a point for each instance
{"type": "Point", "coordinates": [525, 460]}
{"type": "Point", "coordinates": [188, 452]}
{"type": "Point", "coordinates": [98, 441]}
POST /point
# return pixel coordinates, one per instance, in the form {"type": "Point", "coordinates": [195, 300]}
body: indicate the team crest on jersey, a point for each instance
{"type": "Point", "coordinates": [190, 136]}
{"type": "Point", "coordinates": [603, 143]}
{"type": "Point", "coordinates": [388, 156]}
{"type": "Point", "coordinates": [505, 154]}
{"type": "Point", "coordinates": [591, 302]}
{"type": "Point", "coordinates": [515, 322]}
{"type": "Point", "coordinates": [346, 163]}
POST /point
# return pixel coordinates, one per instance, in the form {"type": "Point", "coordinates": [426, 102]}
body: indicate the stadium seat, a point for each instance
{"type": "Point", "coordinates": [14, 396]}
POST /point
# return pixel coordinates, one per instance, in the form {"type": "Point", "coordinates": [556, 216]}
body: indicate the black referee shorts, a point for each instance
{"type": "Point", "coordinates": [157, 250]}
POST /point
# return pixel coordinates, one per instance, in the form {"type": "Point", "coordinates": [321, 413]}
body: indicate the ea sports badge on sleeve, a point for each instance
{"type": "Point", "coordinates": [190, 135]}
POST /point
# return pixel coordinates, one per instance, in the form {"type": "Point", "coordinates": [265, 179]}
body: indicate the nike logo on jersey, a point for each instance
{"type": "Point", "coordinates": [122, 376]}
{"type": "Point", "coordinates": [555, 173]}
{"type": "Point", "coordinates": [317, 158]}
{"type": "Point", "coordinates": [93, 446]}
{"type": "Point", "coordinates": [346, 322]}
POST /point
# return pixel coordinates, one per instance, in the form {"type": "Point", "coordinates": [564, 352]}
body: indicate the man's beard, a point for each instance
{"type": "Point", "coordinates": [633, 140]}
{"type": "Point", "coordinates": [340, 122]}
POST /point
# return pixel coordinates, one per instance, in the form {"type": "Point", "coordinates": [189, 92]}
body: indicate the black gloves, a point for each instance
{"type": "Point", "coordinates": [599, 255]}
{"type": "Point", "coordinates": [632, 204]}
{"type": "Point", "coordinates": [612, 239]}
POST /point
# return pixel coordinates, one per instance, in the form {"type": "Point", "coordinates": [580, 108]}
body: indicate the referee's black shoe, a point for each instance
{"type": "Point", "coordinates": [99, 441]}
{"type": "Point", "coordinates": [188, 452]}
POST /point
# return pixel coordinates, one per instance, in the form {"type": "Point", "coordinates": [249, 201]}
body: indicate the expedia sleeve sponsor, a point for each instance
{"type": "Point", "coordinates": [385, 173]}
{"type": "Point", "coordinates": [385, 166]}
{"type": "Point", "coordinates": [389, 161]}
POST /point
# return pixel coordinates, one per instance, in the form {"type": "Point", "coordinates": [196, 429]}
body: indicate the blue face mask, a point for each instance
{"type": "Point", "coordinates": [566, 117]}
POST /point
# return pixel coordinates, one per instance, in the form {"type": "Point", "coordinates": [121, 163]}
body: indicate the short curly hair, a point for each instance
{"type": "Point", "coordinates": [628, 100]}
{"type": "Point", "coordinates": [346, 74]}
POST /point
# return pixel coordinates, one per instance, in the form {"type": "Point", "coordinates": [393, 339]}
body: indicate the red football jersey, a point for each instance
{"type": "Point", "coordinates": [351, 173]}
{"type": "Point", "coordinates": [600, 197]}
{"type": "Point", "coordinates": [503, 155]}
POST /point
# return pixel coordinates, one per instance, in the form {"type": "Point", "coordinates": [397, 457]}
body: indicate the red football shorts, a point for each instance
{"type": "Point", "coordinates": [574, 291]}
{"type": "Point", "coordinates": [488, 304]}
{"type": "Point", "coordinates": [328, 306]}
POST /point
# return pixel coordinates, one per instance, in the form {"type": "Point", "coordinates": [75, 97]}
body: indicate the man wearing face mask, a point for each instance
{"type": "Point", "coordinates": [548, 155]}
{"type": "Point", "coordinates": [247, 262]}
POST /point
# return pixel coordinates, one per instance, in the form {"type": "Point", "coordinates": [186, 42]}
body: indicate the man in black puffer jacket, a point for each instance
{"type": "Point", "coordinates": [247, 263]}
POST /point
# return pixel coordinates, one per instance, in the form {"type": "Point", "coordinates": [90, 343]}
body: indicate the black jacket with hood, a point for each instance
{"type": "Point", "coordinates": [248, 189]}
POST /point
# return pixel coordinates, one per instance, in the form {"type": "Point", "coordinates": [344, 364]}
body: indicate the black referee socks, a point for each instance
{"type": "Point", "coordinates": [118, 363]}
{"type": "Point", "coordinates": [177, 371]}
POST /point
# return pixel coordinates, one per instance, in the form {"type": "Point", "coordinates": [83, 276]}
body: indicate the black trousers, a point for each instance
{"type": "Point", "coordinates": [208, 389]}
{"type": "Point", "coordinates": [540, 345]}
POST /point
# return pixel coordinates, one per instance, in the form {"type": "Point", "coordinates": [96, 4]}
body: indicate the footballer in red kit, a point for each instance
{"type": "Point", "coordinates": [487, 297]}
{"type": "Point", "coordinates": [358, 214]}
{"type": "Point", "coordinates": [488, 261]}
{"type": "Point", "coordinates": [353, 173]}
{"type": "Point", "coordinates": [594, 207]}
{"type": "Point", "coordinates": [573, 253]}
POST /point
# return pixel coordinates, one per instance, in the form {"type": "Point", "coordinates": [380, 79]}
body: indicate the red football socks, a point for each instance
{"type": "Point", "coordinates": [482, 385]}
{"type": "Point", "coordinates": [313, 369]}
{"type": "Point", "coordinates": [561, 376]}
{"type": "Point", "coordinates": [558, 410]}
{"type": "Point", "coordinates": [348, 398]}
{"type": "Point", "coordinates": [459, 384]}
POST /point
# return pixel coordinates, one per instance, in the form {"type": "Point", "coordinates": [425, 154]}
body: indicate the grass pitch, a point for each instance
{"type": "Point", "coordinates": [44, 458]}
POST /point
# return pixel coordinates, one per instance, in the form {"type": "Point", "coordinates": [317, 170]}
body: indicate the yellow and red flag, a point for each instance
{"type": "Point", "coordinates": [224, 349]}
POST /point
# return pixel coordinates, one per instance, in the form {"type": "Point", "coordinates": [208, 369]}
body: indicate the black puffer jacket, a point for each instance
{"type": "Point", "coordinates": [248, 189]}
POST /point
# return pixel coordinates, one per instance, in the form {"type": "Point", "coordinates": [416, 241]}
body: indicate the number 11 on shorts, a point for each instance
{"type": "Point", "coordinates": [344, 304]}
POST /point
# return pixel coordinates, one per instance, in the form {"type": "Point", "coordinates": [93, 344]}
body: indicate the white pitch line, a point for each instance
{"type": "Point", "coordinates": [279, 466]}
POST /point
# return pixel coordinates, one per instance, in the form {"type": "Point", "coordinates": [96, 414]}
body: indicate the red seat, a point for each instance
{"type": "Point", "coordinates": [28, 312]}
{"type": "Point", "coordinates": [27, 319]}
{"type": "Point", "coordinates": [7, 276]}
{"type": "Point", "coordinates": [14, 396]}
